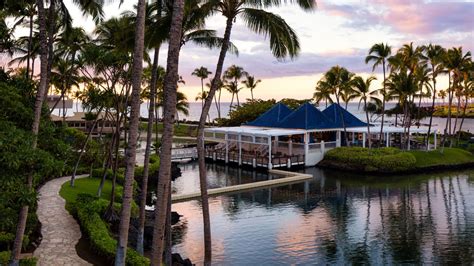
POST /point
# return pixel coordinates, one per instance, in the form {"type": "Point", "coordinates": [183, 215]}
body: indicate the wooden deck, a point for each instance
{"type": "Point", "coordinates": [289, 178]}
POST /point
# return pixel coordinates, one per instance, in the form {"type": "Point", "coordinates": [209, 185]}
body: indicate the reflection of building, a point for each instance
{"type": "Point", "coordinates": [283, 138]}
{"type": "Point", "coordinates": [78, 121]}
{"type": "Point", "coordinates": [51, 100]}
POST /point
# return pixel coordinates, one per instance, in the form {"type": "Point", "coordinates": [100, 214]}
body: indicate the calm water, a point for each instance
{"type": "Point", "coordinates": [195, 112]}
{"type": "Point", "coordinates": [332, 219]}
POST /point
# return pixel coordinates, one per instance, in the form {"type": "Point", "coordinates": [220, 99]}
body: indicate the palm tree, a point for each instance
{"type": "Point", "coordinates": [251, 83]}
{"type": "Point", "coordinates": [442, 95]}
{"type": "Point", "coordinates": [127, 197]}
{"type": "Point", "coordinates": [201, 96]}
{"type": "Point", "coordinates": [378, 54]}
{"type": "Point", "coordinates": [362, 90]}
{"type": "Point", "coordinates": [233, 88]}
{"type": "Point", "coordinates": [217, 98]}
{"type": "Point", "coordinates": [63, 77]}
{"type": "Point", "coordinates": [322, 93]}
{"type": "Point", "coordinates": [164, 176]}
{"type": "Point", "coordinates": [434, 56]}
{"type": "Point", "coordinates": [455, 59]}
{"type": "Point", "coordinates": [338, 82]}
{"type": "Point", "coordinates": [283, 43]}
{"type": "Point", "coordinates": [42, 87]}
{"type": "Point", "coordinates": [202, 73]}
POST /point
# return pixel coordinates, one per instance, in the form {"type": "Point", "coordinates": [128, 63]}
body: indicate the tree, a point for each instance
{"type": "Point", "coordinates": [322, 94]}
{"type": "Point", "coordinates": [338, 82]}
{"type": "Point", "coordinates": [234, 74]}
{"type": "Point", "coordinates": [127, 197]}
{"type": "Point", "coordinates": [202, 73]}
{"type": "Point", "coordinates": [362, 90]}
{"type": "Point", "coordinates": [251, 83]}
{"type": "Point", "coordinates": [433, 55]}
{"type": "Point", "coordinates": [283, 43]}
{"type": "Point", "coordinates": [164, 176]}
{"type": "Point", "coordinates": [42, 87]}
{"type": "Point", "coordinates": [233, 88]}
{"type": "Point", "coordinates": [378, 54]}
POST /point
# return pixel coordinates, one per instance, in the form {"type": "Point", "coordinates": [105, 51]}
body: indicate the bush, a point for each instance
{"type": "Point", "coordinates": [97, 173]}
{"type": "Point", "coordinates": [372, 160]}
{"type": "Point", "coordinates": [88, 209]}
{"type": "Point", "coordinates": [5, 258]}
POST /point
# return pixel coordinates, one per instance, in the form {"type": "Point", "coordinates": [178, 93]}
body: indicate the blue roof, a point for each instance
{"type": "Point", "coordinates": [272, 117]}
{"type": "Point", "coordinates": [306, 117]}
{"type": "Point", "coordinates": [334, 113]}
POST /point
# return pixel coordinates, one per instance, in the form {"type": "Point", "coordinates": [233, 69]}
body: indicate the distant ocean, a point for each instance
{"type": "Point", "coordinates": [195, 112]}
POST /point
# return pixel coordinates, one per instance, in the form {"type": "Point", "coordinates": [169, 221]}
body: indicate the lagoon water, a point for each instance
{"type": "Point", "coordinates": [335, 218]}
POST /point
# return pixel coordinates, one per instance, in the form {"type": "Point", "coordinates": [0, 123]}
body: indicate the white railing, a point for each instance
{"type": "Point", "coordinates": [184, 153]}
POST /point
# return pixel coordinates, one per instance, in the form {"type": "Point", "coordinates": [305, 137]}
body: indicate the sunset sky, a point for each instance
{"type": "Point", "coordinates": [337, 33]}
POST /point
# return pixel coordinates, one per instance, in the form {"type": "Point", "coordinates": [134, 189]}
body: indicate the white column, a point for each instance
{"type": "Point", "coordinates": [270, 166]}
{"type": "Point", "coordinates": [323, 147]}
{"type": "Point", "coordinates": [363, 139]}
{"type": "Point", "coordinates": [387, 139]}
{"type": "Point", "coordinates": [226, 148]}
{"type": "Point", "coordinates": [240, 149]}
{"type": "Point", "coordinates": [338, 138]}
{"type": "Point", "coordinates": [353, 137]}
{"type": "Point", "coordinates": [408, 145]}
{"type": "Point", "coordinates": [435, 139]}
{"type": "Point", "coordinates": [290, 146]}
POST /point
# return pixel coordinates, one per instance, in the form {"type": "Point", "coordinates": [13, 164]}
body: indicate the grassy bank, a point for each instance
{"type": "Point", "coordinates": [442, 111]}
{"type": "Point", "coordinates": [392, 160]}
{"type": "Point", "coordinates": [88, 209]}
{"type": "Point", "coordinates": [180, 130]}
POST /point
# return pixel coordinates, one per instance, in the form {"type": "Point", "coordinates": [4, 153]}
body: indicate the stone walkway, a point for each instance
{"type": "Point", "coordinates": [59, 229]}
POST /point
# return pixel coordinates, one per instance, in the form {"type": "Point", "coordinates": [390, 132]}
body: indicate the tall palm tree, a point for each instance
{"type": "Point", "coordinates": [251, 83]}
{"type": "Point", "coordinates": [322, 93]}
{"type": "Point", "coordinates": [283, 42]}
{"type": "Point", "coordinates": [42, 87]}
{"type": "Point", "coordinates": [337, 81]}
{"type": "Point", "coordinates": [234, 74]}
{"type": "Point", "coordinates": [202, 73]}
{"type": "Point", "coordinates": [362, 90]}
{"type": "Point", "coordinates": [233, 88]}
{"type": "Point", "coordinates": [127, 197]}
{"type": "Point", "coordinates": [455, 59]}
{"type": "Point", "coordinates": [378, 54]}
{"type": "Point", "coordinates": [164, 176]}
{"type": "Point", "coordinates": [433, 55]}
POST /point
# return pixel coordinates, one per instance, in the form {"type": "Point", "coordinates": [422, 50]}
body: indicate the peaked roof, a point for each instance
{"type": "Point", "coordinates": [306, 117]}
{"type": "Point", "coordinates": [272, 117]}
{"type": "Point", "coordinates": [334, 113]}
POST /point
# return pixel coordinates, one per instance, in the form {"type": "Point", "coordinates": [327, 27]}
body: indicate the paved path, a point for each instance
{"type": "Point", "coordinates": [59, 229]}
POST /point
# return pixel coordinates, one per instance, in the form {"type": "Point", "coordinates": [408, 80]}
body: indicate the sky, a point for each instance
{"type": "Point", "coordinates": [338, 32]}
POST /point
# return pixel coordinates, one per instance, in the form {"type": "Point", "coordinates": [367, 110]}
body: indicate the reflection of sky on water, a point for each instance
{"type": "Point", "coordinates": [334, 218]}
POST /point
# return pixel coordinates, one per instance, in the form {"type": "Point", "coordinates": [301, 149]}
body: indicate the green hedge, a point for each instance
{"type": "Point", "coordinates": [371, 160]}
{"type": "Point", "coordinates": [88, 210]}
{"type": "Point", "coordinates": [5, 258]}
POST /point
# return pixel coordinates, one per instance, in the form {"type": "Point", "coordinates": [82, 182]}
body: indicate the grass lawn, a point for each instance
{"type": "Point", "coordinates": [89, 186]}
{"type": "Point", "coordinates": [451, 156]}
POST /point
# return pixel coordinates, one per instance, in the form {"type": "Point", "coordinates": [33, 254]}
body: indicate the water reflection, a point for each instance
{"type": "Point", "coordinates": [333, 218]}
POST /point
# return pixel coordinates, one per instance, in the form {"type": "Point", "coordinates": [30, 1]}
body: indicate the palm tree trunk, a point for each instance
{"type": "Point", "coordinates": [237, 96]}
{"type": "Point", "coordinates": [231, 101]}
{"type": "Point", "coordinates": [219, 99]}
{"type": "Point", "coordinates": [383, 102]}
{"type": "Point", "coordinates": [448, 119]}
{"type": "Point", "coordinates": [458, 110]}
{"type": "Point", "coordinates": [463, 116]}
{"type": "Point", "coordinates": [84, 145]}
{"type": "Point", "coordinates": [137, 71]}
{"type": "Point", "coordinates": [368, 123]}
{"type": "Point", "coordinates": [23, 215]}
{"type": "Point", "coordinates": [30, 44]}
{"type": "Point", "coordinates": [106, 165]}
{"type": "Point", "coordinates": [169, 104]}
{"type": "Point", "coordinates": [251, 93]}
{"type": "Point", "coordinates": [343, 122]}
{"type": "Point", "coordinates": [202, 93]}
{"type": "Point", "coordinates": [432, 110]}
{"type": "Point", "coordinates": [201, 148]}
{"type": "Point", "coordinates": [51, 32]}
{"type": "Point", "coordinates": [146, 164]}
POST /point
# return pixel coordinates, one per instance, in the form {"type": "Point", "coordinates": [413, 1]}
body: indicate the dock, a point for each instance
{"type": "Point", "coordinates": [289, 178]}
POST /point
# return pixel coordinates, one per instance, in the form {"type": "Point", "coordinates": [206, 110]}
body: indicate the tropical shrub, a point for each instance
{"type": "Point", "coordinates": [371, 160]}
{"type": "Point", "coordinates": [88, 209]}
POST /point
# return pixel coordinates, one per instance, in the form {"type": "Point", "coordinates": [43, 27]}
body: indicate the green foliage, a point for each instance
{"type": "Point", "coordinates": [247, 112]}
{"type": "Point", "coordinates": [88, 210]}
{"type": "Point", "coordinates": [449, 157]}
{"type": "Point", "coordinates": [154, 166]}
{"type": "Point", "coordinates": [372, 160]}
{"type": "Point", "coordinates": [5, 258]}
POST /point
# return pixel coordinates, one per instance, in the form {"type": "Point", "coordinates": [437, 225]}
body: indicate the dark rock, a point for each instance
{"type": "Point", "coordinates": [177, 260]}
